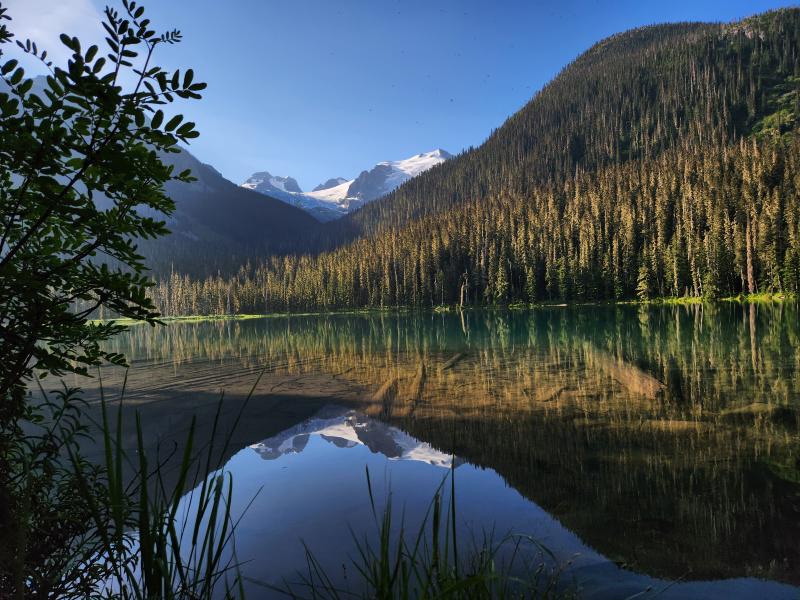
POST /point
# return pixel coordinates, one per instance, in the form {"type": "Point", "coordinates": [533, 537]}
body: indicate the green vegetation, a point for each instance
{"type": "Point", "coordinates": [92, 140]}
{"type": "Point", "coordinates": [661, 163]}
{"type": "Point", "coordinates": [150, 549]}
{"type": "Point", "coordinates": [711, 224]}
{"type": "Point", "coordinates": [81, 157]}
{"type": "Point", "coordinates": [109, 530]}
{"type": "Point", "coordinates": [660, 167]}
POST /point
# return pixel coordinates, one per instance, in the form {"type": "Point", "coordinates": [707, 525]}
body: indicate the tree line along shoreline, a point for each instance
{"type": "Point", "coordinates": [714, 223]}
{"type": "Point", "coordinates": [761, 298]}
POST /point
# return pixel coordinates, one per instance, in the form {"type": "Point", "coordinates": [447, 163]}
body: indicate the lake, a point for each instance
{"type": "Point", "coordinates": [648, 449]}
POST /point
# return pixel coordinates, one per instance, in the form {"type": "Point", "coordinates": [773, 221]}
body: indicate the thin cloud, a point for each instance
{"type": "Point", "coordinates": [43, 21]}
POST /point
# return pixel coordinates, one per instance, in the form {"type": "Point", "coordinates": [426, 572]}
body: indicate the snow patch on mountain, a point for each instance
{"type": "Point", "coordinates": [333, 194]}
{"type": "Point", "coordinates": [419, 163]}
{"type": "Point", "coordinates": [265, 183]}
{"type": "Point", "coordinates": [332, 182]}
{"type": "Point", "coordinates": [386, 176]}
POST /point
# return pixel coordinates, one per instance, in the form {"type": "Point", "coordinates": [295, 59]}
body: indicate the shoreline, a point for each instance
{"type": "Point", "coordinates": [761, 298]}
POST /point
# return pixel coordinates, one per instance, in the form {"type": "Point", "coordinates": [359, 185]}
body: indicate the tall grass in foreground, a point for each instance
{"type": "Point", "coordinates": [145, 542]}
{"type": "Point", "coordinates": [114, 530]}
{"type": "Point", "coordinates": [429, 562]}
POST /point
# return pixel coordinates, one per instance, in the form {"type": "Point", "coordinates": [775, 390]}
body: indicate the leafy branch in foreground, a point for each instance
{"type": "Point", "coordinates": [80, 168]}
{"type": "Point", "coordinates": [82, 177]}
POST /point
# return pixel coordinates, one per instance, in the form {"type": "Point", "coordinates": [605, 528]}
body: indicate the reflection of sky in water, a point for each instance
{"type": "Point", "coordinates": [313, 489]}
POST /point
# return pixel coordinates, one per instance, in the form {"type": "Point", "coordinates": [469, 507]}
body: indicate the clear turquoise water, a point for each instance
{"type": "Point", "coordinates": [643, 446]}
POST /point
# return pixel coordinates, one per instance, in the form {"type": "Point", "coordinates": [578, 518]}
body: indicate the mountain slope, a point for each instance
{"type": "Point", "coordinates": [218, 225]}
{"type": "Point", "coordinates": [663, 162]}
{"type": "Point", "coordinates": [631, 96]}
{"type": "Point", "coordinates": [389, 175]}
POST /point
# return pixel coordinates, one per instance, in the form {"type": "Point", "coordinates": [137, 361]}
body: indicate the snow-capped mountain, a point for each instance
{"type": "Point", "coordinates": [271, 185]}
{"type": "Point", "coordinates": [287, 190]}
{"type": "Point", "coordinates": [338, 196]}
{"type": "Point", "coordinates": [347, 428]}
{"type": "Point", "coordinates": [386, 176]}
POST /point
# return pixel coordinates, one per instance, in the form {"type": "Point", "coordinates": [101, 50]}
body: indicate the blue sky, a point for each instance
{"type": "Point", "coordinates": [322, 88]}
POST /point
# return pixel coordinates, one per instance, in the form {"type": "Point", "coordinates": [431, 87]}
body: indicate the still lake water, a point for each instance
{"type": "Point", "coordinates": [650, 449]}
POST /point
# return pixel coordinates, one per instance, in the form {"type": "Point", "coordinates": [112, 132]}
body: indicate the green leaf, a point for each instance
{"type": "Point", "coordinates": [185, 128]}
{"type": "Point", "coordinates": [17, 76]}
{"type": "Point", "coordinates": [8, 67]}
{"type": "Point", "coordinates": [173, 122]}
{"type": "Point", "coordinates": [67, 41]}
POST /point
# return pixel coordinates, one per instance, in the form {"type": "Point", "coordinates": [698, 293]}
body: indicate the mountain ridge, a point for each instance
{"type": "Point", "coordinates": [339, 196]}
{"type": "Point", "coordinates": [218, 225]}
{"type": "Point", "coordinates": [333, 182]}
{"type": "Point", "coordinates": [575, 120]}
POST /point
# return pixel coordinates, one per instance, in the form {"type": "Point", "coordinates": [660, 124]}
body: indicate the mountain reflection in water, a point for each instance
{"type": "Point", "coordinates": [309, 487]}
{"type": "Point", "coordinates": [347, 428]}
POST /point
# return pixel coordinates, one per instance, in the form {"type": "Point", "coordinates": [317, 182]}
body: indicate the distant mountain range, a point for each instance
{"type": "Point", "coordinates": [338, 196]}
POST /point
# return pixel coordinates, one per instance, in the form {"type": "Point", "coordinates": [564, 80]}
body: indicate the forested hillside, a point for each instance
{"type": "Point", "coordinates": [630, 96]}
{"type": "Point", "coordinates": [664, 161]}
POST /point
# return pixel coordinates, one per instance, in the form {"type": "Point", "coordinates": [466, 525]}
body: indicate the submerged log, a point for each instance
{"type": "Point", "coordinates": [547, 394]}
{"type": "Point", "coordinates": [628, 375]}
{"type": "Point", "coordinates": [418, 385]}
{"type": "Point", "coordinates": [452, 362]}
{"type": "Point", "coordinates": [414, 395]}
{"type": "Point", "coordinates": [676, 425]}
{"type": "Point", "coordinates": [779, 415]}
{"type": "Point", "coordinates": [383, 400]}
